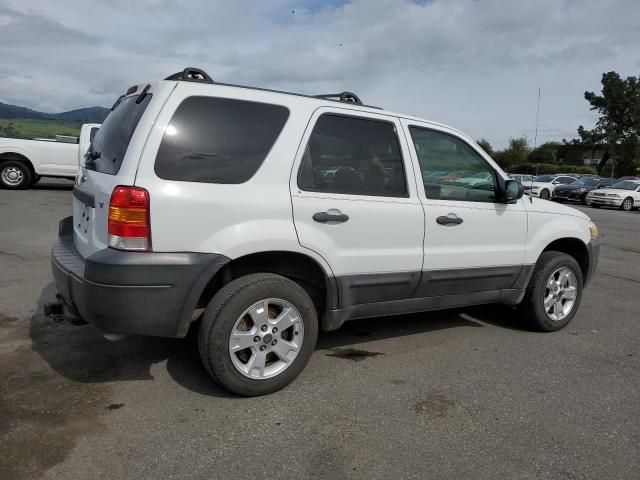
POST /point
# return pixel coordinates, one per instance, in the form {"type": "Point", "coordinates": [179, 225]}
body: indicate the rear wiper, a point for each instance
{"type": "Point", "coordinates": [91, 156]}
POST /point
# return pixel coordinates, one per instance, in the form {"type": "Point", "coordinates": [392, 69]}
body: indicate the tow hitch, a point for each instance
{"type": "Point", "coordinates": [59, 311]}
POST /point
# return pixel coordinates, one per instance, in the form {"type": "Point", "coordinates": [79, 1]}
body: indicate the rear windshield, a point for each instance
{"type": "Point", "coordinates": [112, 138]}
{"type": "Point", "coordinates": [218, 140]}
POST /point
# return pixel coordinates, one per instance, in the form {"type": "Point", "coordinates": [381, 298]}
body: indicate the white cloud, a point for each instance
{"type": "Point", "coordinates": [476, 64]}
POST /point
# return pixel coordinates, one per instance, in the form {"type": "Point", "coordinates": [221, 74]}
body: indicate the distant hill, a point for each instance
{"type": "Point", "coordinates": [81, 115]}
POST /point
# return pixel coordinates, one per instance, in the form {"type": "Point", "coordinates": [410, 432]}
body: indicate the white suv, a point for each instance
{"type": "Point", "coordinates": [270, 215]}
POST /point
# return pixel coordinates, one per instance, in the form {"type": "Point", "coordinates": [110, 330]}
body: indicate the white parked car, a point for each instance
{"type": "Point", "coordinates": [24, 162]}
{"type": "Point", "coordinates": [624, 194]}
{"type": "Point", "coordinates": [544, 185]}
{"type": "Point", "coordinates": [523, 179]}
{"type": "Point", "coordinates": [270, 216]}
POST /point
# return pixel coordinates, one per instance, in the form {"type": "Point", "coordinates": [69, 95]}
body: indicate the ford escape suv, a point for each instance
{"type": "Point", "coordinates": [267, 216]}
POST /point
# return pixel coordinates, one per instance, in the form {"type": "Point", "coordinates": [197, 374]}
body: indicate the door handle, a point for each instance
{"type": "Point", "coordinates": [324, 217]}
{"type": "Point", "coordinates": [451, 219]}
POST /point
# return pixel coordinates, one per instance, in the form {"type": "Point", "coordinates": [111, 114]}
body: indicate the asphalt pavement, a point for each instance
{"type": "Point", "coordinates": [469, 394]}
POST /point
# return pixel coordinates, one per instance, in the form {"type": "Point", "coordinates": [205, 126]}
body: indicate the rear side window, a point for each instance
{"type": "Point", "coordinates": [218, 140]}
{"type": "Point", "coordinates": [112, 138]}
{"type": "Point", "coordinates": [355, 156]}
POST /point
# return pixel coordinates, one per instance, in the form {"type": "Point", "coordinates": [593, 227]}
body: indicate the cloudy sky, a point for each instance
{"type": "Point", "coordinates": [474, 64]}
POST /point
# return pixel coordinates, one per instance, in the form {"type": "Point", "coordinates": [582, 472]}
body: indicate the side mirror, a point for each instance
{"type": "Point", "coordinates": [555, 183]}
{"type": "Point", "coordinates": [513, 190]}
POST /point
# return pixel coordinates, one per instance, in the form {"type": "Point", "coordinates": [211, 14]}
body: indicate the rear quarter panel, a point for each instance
{"type": "Point", "coordinates": [232, 220]}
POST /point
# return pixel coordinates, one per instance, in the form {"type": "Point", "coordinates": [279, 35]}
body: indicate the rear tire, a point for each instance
{"type": "Point", "coordinates": [232, 314]}
{"type": "Point", "coordinates": [546, 301]}
{"type": "Point", "coordinates": [593, 205]}
{"type": "Point", "coordinates": [14, 175]}
{"type": "Point", "coordinates": [627, 204]}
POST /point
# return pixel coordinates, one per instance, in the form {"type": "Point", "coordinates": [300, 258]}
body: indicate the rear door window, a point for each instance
{"type": "Point", "coordinates": [354, 156]}
{"type": "Point", "coordinates": [111, 141]}
{"type": "Point", "coordinates": [218, 140]}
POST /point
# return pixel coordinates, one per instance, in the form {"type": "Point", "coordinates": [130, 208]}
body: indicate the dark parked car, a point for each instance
{"type": "Point", "coordinates": [577, 191]}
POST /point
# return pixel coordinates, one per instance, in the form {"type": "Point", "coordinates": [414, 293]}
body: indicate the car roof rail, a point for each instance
{"type": "Point", "coordinates": [347, 97]}
{"type": "Point", "coordinates": [191, 74]}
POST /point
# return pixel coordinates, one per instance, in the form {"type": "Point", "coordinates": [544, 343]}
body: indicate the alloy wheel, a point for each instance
{"type": "Point", "coordinates": [266, 338]}
{"type": "Point", "coordinates": [560, 294]}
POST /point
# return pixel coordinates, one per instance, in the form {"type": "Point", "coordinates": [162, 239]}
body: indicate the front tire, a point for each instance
{"type": "Point", "coordinates": [544, 194]}
{"type": "Point", "coordinates": [14, 175]}
{"type": "Point", "coordinates": [554, 293]}
{"type": "Point", "coordinates": [258, 333]}
{"type": "Point", "coordinates": [627, 204]}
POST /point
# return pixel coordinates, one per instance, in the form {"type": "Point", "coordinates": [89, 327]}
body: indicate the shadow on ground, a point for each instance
{"type": "Point", "coordinates": [57, 184]}
{"type": "Point", "coordinates": [82, 354]}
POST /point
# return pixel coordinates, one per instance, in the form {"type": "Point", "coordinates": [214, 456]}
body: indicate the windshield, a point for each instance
{"type": "Point", "coordinates": [544, 178]}
{"type": "Point", "coordinates": [626, 185]}
{"type": "Point", "coordinates": [587, 182]}
{"type": "Point", "coordinates": [112, 139]}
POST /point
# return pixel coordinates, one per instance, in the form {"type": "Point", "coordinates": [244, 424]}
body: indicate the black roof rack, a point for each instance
{"type": "Point", "coordinates": [346, 97]}
{"type": "Point", "coordinates": [191, 74]}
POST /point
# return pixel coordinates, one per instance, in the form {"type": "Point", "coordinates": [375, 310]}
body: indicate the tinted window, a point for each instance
{"type": "Point", "coordinates": [451, 169]}
{"type": "Point", "coordinates": [112, 138]}
{"type": "Point", "coordinates": [566, 180]}
{"type": "Point", "coordinates": [353, 156]}
{"type": "Point", "coordinates": [218, 140]}
{"type": "Point", "coordinates": [544, 178]}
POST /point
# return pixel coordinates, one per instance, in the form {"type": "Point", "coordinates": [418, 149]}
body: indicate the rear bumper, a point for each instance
{"type": "Point", "coordinates": [143, 293]}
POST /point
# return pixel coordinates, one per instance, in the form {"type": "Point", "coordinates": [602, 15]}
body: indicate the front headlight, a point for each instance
{"type": "Point", "coordinates": [593, 229]}
{"type": "Point", "coordinates": [613, 195]}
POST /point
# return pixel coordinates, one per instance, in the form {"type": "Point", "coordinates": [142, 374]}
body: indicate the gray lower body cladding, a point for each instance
{"type": "Point", "coordinates": [362, 296]}
{"type": "Point", "coordinates": [145, 293]}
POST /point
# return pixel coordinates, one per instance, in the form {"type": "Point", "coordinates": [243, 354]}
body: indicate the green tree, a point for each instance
{"type": "Point", "coordinates": [619, 123]}
{"type": "Point", "coordinates": [545, 153]}
{"type": "Point", "coordinates": [486, 146]}
{"type": "Point", "coordinates": [515, 154]}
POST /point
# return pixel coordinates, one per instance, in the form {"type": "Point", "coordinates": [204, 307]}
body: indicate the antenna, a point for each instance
{"type": "Point", "coordinates": [535, 141]}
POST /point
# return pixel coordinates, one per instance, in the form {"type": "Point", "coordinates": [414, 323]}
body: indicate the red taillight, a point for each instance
{"type": "Point", "coordinates": [129, 224]}
{"type": "Point", "coordinates": [133, 89]}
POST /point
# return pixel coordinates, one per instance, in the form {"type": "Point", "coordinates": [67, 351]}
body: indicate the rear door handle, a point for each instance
{"type": "Point", "coordinates": [325, 217]}
{"type": "Point", "coordinates": [451, 219]}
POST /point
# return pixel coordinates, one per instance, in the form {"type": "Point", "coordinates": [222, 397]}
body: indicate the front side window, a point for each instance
{"type": "Point", "coordinates": [355, 156]}
{"type": "Point", "coordinates": [218, 140]}
{"type": "Point", "coordinates": [451, 169]}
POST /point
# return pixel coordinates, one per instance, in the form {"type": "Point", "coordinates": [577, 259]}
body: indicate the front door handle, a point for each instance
{"type": "Point", "coordinates": [451, 219]}
{"type": "Point", "coordinates": [325, 217]}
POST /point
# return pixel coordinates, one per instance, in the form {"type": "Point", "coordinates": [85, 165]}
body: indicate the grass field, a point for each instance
{"type": "Point", "coordinates": [37, 128]}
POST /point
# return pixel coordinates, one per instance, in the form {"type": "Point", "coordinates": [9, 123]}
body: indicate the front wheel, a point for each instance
{"type": "Point", "coordinates": [627, 204]}
{"type": "Point", "coordinates": [544, 194]}
{"type": "Point", "coordinates": [258, 333]}
{"type": "Point", "coordinates": [554, 292]}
